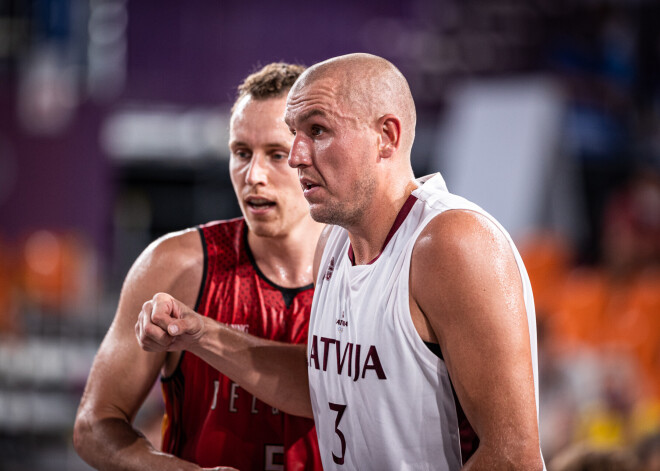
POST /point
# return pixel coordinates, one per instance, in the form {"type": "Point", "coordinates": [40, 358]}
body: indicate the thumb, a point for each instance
{"type": "Point", "coordinates": [189, 324]}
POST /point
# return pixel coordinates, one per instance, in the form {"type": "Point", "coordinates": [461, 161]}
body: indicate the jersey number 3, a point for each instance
{"type": "Point", "coordinates": [339, 409]}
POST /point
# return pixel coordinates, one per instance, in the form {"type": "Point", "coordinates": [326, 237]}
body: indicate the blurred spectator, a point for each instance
{"type": "Point", "coordinates": [631, 232]}
{"type": "Point", "coordinates": [8, 322]}
{"type": "Point", "coordinates": [599, 327]}
{"type": "Point", "coordinates": [57, 271]}
{"type": "Point", "coordinates": [648, 452]}
{"type": "Point", "coordinates": [581, 457]}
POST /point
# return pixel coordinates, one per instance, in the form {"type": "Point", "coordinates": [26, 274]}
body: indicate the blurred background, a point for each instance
{"type": "Point", "coordinates": [113, 131]}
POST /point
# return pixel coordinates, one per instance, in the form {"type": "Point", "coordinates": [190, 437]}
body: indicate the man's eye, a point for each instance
{"type": "Point", "coordinates": [316, 130]}
{"type": "Point", "coordinates": [292, 131]}
{"type": "Point", "coordinates": [242, 154]}
{"type": "Point", "coordinates": [280, 156]}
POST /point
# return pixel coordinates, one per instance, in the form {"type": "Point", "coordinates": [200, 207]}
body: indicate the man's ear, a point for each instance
{"type": "Point", "coordinates": [389, 128]}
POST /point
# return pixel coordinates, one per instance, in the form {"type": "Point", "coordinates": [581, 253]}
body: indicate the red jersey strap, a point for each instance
{"type": "Point", "coordinates": [403, 213]}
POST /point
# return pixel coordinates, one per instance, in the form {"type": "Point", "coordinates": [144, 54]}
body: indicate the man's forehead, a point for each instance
{"type": "Point", "coordinates": [257, 114]}
{"type": "Point", "coordinates": [317, 98]}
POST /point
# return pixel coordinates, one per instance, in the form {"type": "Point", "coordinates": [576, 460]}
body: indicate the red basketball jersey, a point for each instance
{"type": "Point", "coordinates": [209, 419]}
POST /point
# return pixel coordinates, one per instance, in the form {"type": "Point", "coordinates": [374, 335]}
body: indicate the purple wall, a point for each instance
{"type": "Point", "coordinates": [187, 53]}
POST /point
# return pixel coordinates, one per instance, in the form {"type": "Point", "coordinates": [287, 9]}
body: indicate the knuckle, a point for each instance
{"type": "Point", "coordinates": [153, 332]}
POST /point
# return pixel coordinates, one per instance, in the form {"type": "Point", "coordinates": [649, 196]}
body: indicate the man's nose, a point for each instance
{"type": "Point", "coordinates": [257, 171]}
{"type": "Point", "coordinates": [300, 154]}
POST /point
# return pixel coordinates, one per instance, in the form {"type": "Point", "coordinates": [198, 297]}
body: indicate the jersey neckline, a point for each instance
{"type": "Point", "coordinates": [288, 293]}
{"type": "Point", "coordinates": [403, 213]}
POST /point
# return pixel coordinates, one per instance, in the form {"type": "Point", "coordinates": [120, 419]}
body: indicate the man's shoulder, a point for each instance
{"type": "Point", "coordinates": [191, 243]}
{"type": "Point", "coordinates": [457, 230]}
{"type": "Point", "coordinates": [454, 246]}
{"type": "Point", "coordinates": [172, 263]}
{"type": "Point", "coordinates": [179, 244]}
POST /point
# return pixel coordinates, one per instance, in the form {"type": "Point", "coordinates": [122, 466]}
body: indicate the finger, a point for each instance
{"type": "Point", "coordinates": [138, 332]}
{"type": "Point", "coordinates": [178, 327]}
{"type": "Point", "coordinates": [144, 318]}
{"type": "Point", "coordinates": [150, 346]}
{"type": "Point", "coordinates": [190, 324]}
{"type": "Point", "coordinates": [155, 334]}
{"type": "Point", "coordinates": [161, 314]}
{"type": "Point", "coordinates": [146, 307]}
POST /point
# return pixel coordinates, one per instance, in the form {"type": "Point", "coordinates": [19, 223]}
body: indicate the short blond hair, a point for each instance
{"type": "Point", "coordinates": [271, 81]}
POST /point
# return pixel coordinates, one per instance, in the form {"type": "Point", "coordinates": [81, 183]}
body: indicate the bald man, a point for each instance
{"type": "Point", "coordinates": [422, 347]}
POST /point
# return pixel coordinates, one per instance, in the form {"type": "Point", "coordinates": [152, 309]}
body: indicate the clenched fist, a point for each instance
{"type": "Point", "coordinates": [166, 325]}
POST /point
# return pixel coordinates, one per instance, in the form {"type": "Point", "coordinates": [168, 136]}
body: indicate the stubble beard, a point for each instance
{"type": "Point", "coordinates": [346, 213]}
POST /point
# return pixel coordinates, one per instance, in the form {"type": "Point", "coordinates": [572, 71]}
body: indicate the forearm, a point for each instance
{"type": "Point", "coordinates": [275, 372]}
{"type": "Point", "coordinates": [112, 444]}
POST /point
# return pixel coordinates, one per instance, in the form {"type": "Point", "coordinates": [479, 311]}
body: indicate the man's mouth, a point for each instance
{"type": "Point", "coordinates": [307, 184]}
{"type": "Point", "coordinates": [259, 203]}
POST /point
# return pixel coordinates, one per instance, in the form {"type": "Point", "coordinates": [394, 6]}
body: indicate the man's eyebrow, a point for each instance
{"type": "Point", "coordinates": [269, 145]}
{"type": "Point", "coordinates": [307, 115]}
{"type": "Point", "coordinates": [237, 144]}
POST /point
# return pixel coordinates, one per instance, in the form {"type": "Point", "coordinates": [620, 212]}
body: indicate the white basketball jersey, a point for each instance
{"type": "Point", "coordinates": [381, 399]}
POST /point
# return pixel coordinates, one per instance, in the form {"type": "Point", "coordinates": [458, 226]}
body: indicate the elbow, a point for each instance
{"type": "Point", "coordinates": [534, 462]}
{"type": "Point", "coordinates": [84, 428]}
{"type": "Point", "coordinates": [530, 454]}
{"type": "Point", "coordinates": [82, 434]}
{"type": "Point", "coordinates": [514, 458]}
{"type": "Point", "coordinates": [529, 459]}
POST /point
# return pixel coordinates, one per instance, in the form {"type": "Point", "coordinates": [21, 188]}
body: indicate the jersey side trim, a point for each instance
{"type": "Point", "coordinates": [204, 268]}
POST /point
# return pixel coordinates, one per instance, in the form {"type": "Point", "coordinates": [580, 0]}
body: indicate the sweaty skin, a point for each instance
{"type": "Point", "coordinates": [282, 239]}
{"type": "Point", "coordinates": [352, 152]}
{"type": "Point", "coordinates": [123, 374]}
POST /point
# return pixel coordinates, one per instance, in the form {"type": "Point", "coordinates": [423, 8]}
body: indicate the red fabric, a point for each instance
{"type": "Point", "coordinates": [231, 428]}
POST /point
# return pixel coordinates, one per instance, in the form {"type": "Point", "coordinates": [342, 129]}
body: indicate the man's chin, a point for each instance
{"type": "Point", "coordinates": [263, 229]}
{"type": "Point", "coordinates": [323, 215]}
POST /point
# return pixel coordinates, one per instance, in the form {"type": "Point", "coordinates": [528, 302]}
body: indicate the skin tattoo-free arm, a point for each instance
{"type": "Point", "coordinates": [275, 372]}
{"type": "Point", "coordinates": [123, 374]}
{"type": "Point", "coordinates": [466, 285]}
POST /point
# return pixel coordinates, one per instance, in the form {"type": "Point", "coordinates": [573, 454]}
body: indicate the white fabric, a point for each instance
{"type": "Point", "coordinates": [399, 410]}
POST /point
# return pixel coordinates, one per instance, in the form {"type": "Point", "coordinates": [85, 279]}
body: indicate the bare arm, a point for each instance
{"type": "Point", "coordinates": [123, 374]}
{"type": "Point", "coordinates": [275, 372]}
{"type": "Point", "coordinates": [467, 295]}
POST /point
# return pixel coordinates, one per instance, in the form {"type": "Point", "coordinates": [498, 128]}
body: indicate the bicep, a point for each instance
{"type": "Point", "coordinates": [122, 373]}
{"type": "Point", "coordinates": [465, 280]}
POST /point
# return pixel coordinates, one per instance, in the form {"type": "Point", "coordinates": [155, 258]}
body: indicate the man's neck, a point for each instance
{"type": "Point", "coordinates": [287, 260]}
{"type": "Point", "coordinates": [369, 234]}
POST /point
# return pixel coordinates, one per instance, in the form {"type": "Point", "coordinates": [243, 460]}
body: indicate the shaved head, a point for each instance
{"type": "Point", "coordinates": [371, 87]}
{"type": "Point", "coordinates": [353, 118]}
